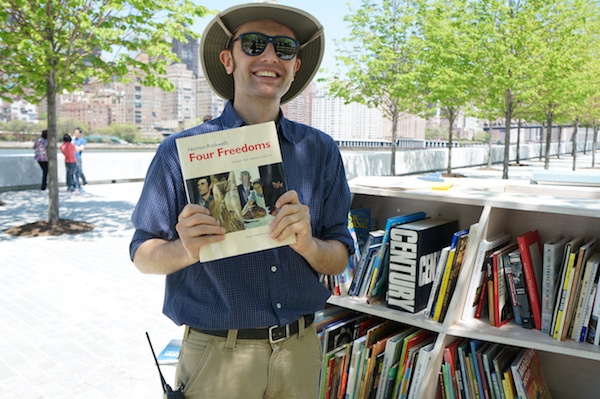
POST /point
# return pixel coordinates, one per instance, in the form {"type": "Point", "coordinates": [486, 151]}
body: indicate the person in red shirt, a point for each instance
{"type": "Point", "coordinates": [68, 150]}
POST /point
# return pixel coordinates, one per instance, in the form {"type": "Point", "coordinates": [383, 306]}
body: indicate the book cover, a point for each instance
{"type": "Point", "coordinates": [462, 251]}
{"type": "Point", "coordinates": [467, 381]}
{"type": "Point", "coordinates": [487, 358]}
{"type": "Point", "coordinates": [553, 252]}
{"type": "Point", "coordinates": [410, 341]}
{"type": "Point", "coordinates": [529, 377]}
{"type": "Point", "coordinates": [378, 265]}
{"type": "Point", "coordinates": [361, 222]}
{"type": "Point", "coordinates": [447, 273]}
{"type": "Point", "coordinates": [521, 289]}
{"type": "Point", "coordinates": [170, 353]}
{"type": "Point", "coordinates": [355, 359]}
{"type": "Point", "coordinates": [421, 366]}
{"type": "Point", "coordinates": [588, 294]}
{"type": "Point", "coordinates": [436, 281]}
{"type": "Point", "coordinates": [510, 284]}
{"type": "Point", "coordinates": [585, 251]}
{"type": "Point", "coordinates": [593, 333]}
{"type": "Point", "coordinates": [476, 345]}
{"type": "Point", "coordinates": [478, 280]}
{"type": "Point", "coordinates": [411, 358]}
{"type": "Point", "coordinates": [568, 264]}
{"type": "Point", "coordinates": [210, 163]}
{"type": "Point", "coordinates": [450, 358]}
{"type": "Point", "coordinates": [345, 278]}
{"type": "Point", "coordinates": [501, 361]}
{"type": "Point", "coordinates": [531, 256]}
{"type": "Point", "coordinates": [393, 349]}
{"type": "Point", "coordinates": [502, 306]}
{"type": "Point", "coordinates": [414, 252]}
{"type": "Point", "coordinates": [371, 249]}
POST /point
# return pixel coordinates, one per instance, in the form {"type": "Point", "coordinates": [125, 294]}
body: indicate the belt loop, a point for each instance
{"type": "Point", "coordinates": [301, 327]}
{"type": "Point", "coordinates": [186, 332]}
{"type": "Point", "coordinates": [231, 339]}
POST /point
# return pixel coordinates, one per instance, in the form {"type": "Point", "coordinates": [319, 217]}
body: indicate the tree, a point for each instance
{"type": "Point", "coordinates": [50, 46]}
{"type": "Point", "coordinates": [380, 62]}
{"type": "Point", "coordinates": [446, 74]}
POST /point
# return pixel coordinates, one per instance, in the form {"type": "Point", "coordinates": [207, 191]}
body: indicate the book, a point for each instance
{"type": "Point", "coordinates": [410, 341]}
{"type": "Point", "coordinates": [465, 369]}
{"type": "Point", "coordinates": [502, 307]}
{"type": "Point", "coordinates": [553, 251]}
{"type": "Point", "coordinates": [585, 251]}
{"type": "Point", "coordinates": [586, 299]}
{"type": "Point", "coordinates": [462, 252]}
{"type": "Point", "coordinates": [361, 222]}
{"type": "Point", "coordinates": [487, 358]}
{"type": "Point", "coordinates": [450, 358]}
{"type": "Point", "coordinates": [487, 394]}
{"type": "Point", "coordinates": [528, 376]}
{"type": "Point", "coordinates": [371, 249]}
{"type": "Point", "coordinates": [520, 289]}
{"type": "Point", "coordinates": [391, 222]}
{"type": "Point", "coordinates": [478, 282]}
{"type": "Point", "coordinates": [593, 335]}
{"type": "Point", "coordinates": [568, 264]}
{"type": "Point", "coordinates": [530, 247]}
{"type": "Point", "coordinates": [415, 248]}
{"type": "Point", "coordinates": [393, 349]}
{"type": "Point", "coordinates": [436, 281]}
{"type": "Point", "coordinates": [209, 165]}
{"type": "Point", "coordinates": [355, 360]}
{"type": "Point", "coordinates": [355, 217]}
{"type": "Point", "coordinates": [421, 365]}
{"type": "Point", "coordinates": [475, 345]}
{"type": "Point", "coordinates": [501, 362]}
{"type": "Point", "coordinates": [511, 287]}
{"type": "Point", "coordinates": [411, 358]}
{"type": "Point", "coordinates": [447, 273]}
{"type": "Point", "coordinates": [170, 353]}
{"type": "Point", "coordinates": [330, 315]}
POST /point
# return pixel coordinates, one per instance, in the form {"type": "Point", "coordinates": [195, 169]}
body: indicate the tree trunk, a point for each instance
{"type": "Point", "coordinates": [519, 123]}
{"type": "Point", "coordinates": [560, 129]}
{"type": "Point", "coordinates": [490, 147]}
{"type": "Point", "coordinates": [451, 117]}
{"type": "Point", "coordinates": [541, 140]}
{"type": "Point", "coordinates": [548, 140]}
{"type": "Point", "coordinates": [594, 143]}
{"type": "Point", "coordinates": [394, 140]}
{"type": "Point", "coordinates": [507, 123]}
{"type": "Point", "coordinates": [53, 215]}
{"type": "Point", "coordinates": [587, 129]}
{"type": "Point", "coordinates": [575, 129]}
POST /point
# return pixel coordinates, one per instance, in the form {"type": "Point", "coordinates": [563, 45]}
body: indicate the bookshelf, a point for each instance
{"type": "Point", "coordinates": [570, 368]}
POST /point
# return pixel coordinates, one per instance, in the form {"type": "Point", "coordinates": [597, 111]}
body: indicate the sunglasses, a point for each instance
{"type": "Point", "coordinates": [254, 44]}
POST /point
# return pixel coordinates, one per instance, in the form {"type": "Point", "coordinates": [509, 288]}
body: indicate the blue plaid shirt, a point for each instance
{"type": "Point", "coordinates": [265, 288]}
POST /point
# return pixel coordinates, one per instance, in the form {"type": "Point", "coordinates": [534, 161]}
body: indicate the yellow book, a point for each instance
{"type": "Point", "coordinates": [444, 285]}
{"type": "Point", "coordinates": [560, 315]}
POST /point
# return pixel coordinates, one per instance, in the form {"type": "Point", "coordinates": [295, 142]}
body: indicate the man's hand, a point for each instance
{"type": "Point", "coordinates": [292, 217]}
{"type": "Point", "coordinates": [196, 227]}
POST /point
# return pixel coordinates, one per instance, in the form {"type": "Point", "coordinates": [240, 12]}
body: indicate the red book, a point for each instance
{"type": "Point", "coordinates": [531, 257]}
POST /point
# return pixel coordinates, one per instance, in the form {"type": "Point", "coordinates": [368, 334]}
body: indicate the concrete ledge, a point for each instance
{"type": "Point", "coordinates": [19, 172]}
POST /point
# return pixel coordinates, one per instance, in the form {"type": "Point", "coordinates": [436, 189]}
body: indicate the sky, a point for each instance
{"type": "Point", "coordinates": [329, 12]}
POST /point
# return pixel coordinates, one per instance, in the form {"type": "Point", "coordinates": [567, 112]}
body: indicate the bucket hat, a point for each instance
{"type": "Point", "coordinates": [219, 31]}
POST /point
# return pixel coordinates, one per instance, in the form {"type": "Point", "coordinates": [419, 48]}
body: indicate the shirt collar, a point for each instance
{"type": "Point", "coordinates": [230, 119]}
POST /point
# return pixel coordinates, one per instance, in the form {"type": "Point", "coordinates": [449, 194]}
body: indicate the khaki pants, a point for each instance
{"type": "Point", "coordinates": [212, 367]}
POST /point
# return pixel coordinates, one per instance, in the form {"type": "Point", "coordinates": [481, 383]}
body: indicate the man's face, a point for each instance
{"type": "Point", "coordinates": [203, 187]}
{"type": "Point", "coordinates": [77, 133]}
{"type": "Point", "coordinates": [263, 76]}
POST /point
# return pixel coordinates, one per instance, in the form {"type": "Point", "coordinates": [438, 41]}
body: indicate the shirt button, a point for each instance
{"type": "Point", "coordinates": [278, 305]}
{"type": "Point", "coordinates": [273, 269]}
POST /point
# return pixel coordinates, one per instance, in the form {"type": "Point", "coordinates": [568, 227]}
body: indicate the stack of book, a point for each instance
{"type": "Point", "coordinates": [478, 369]}
{"type": "Point", "coordinates": [547, 285]}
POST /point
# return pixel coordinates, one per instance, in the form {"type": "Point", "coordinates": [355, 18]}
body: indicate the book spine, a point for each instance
{"type": "Point", "coordinates": [530, 280]}
{"type": "Point", "coordinates": [521, 290]}
{"type": "Point", "coordinates": [512, 291]}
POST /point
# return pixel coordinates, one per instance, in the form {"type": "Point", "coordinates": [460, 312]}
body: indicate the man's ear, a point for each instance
{"type": "Point", "coordinates": [298, 62]}
{"type": "Point", "coordinates": [227, 60]}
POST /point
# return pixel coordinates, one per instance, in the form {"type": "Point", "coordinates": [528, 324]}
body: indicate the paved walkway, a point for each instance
{"type": "Point", "coordinates": [74, 309]}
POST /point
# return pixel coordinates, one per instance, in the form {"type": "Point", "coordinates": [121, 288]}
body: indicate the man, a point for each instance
{"type": "Point", "coordinates": [244, 187]}
{"type": "Point", "coordinates": [248, 319]}
{"type": "Point", "coordinates": [80, 143]}
{"type": "Point", "coordinates": [204, 190]}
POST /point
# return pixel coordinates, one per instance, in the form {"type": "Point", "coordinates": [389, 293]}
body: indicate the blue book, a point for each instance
{"type": "Point", "coordinates": [391, 222]}
{"type": "Point", "coordinates": [475, 345]}
{"type": "Point", "coordinates": [170, 354]}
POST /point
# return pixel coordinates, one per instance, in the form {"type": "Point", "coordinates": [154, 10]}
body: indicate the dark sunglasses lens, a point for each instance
{"type": "Point", "coordinates": [254, 44]}
{"type": "Point", "coordinates": [285, 47]}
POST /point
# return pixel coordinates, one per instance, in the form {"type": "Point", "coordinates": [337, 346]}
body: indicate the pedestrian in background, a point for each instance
{"type": "Point", "coordinates": [79, 143]}
{"type": "Point", "coordinates": [68, 150]}
{"type": "Point", "coordinates": [40, 147]}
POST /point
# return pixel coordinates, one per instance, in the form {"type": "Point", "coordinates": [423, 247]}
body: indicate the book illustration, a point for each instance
{"type": "Point", "coordinates": [528, 376]}
{"type": "Point", "coordinates": [520, 289]}
{"type": "Point", "coordinates": [502, 306]}
{"type": "Point", "coordinates": [210, 165]}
